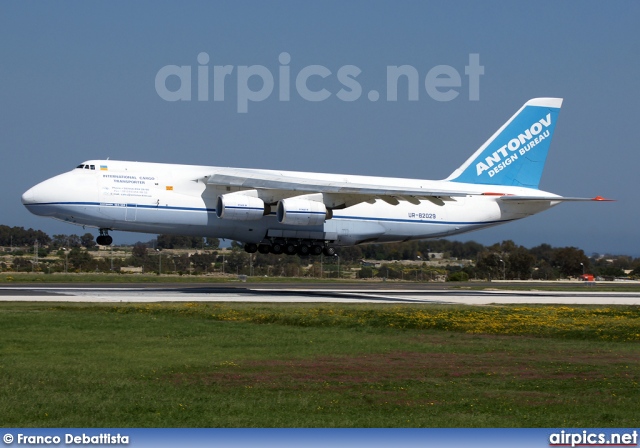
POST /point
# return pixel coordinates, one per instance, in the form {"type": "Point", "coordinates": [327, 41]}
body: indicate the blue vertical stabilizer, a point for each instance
{"type": "Point", "coordinates": [516, 153]}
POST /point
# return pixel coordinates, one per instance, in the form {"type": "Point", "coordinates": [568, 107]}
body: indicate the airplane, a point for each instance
{"type": "Point", "coordinates": [311, 213]}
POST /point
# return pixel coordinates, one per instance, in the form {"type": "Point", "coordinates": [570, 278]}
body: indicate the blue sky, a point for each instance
{"type": "Point", "coordinates": [77, 82]}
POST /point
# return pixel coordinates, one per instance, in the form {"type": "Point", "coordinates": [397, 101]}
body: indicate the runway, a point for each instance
{"type": "Point", "coordinates": [147, 294]}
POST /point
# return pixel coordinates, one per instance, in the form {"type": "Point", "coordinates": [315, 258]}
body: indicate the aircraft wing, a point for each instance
{"type": "Point", "coordinates": [352, 193]}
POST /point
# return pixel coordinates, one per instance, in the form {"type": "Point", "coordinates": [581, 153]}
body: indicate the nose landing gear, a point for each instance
{"type": "Point", "coordinates": [104, 239]}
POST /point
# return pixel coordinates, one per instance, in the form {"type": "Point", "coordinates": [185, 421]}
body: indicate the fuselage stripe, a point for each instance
{"type": "Point", "coordinates": [213, 210]}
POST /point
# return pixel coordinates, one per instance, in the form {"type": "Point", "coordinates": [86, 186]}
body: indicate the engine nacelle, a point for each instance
{"type": "Point", "coordinates": [300, 212]}
{"type": "Point", "coordinates": [239, 207]}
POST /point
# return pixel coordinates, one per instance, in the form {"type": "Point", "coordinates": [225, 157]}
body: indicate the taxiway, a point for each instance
{"type": "Point", "coordinates": [259, 293]}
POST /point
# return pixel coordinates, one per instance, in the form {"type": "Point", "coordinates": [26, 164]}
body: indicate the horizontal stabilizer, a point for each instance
{"type": "Point", "coordinates": [553, 199]}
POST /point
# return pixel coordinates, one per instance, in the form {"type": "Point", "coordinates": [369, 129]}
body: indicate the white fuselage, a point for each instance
{"type": "Point", "coordinates": [176, 199]}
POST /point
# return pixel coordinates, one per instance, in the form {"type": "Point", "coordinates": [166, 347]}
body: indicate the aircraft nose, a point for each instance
{"type": "Point", "coordinates": [45, 192]}
{"type": "Point", "coordinates": [54, 197]}
{"type": "Point", "coordinates": [28, 197]}
{"type": "Point", "coordinates": [37, 198]}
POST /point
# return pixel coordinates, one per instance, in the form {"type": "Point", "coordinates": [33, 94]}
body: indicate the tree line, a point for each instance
{"type": "Point", "coordinates": [409, 260]}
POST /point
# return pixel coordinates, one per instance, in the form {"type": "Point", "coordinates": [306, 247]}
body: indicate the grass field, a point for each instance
{"type": "Point", "coordinates": [274, 365]}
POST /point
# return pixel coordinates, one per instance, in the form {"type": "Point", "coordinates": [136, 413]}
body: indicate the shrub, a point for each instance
{"type": "Point", "coordinates": [459, 276]}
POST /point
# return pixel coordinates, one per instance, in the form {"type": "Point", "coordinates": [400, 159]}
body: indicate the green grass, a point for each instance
{"type": "Point", "coordinates": [273, 365]}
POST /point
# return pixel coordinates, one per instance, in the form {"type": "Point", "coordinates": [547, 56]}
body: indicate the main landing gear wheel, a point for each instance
{"type": "Point", "coordinates": [251, 248]}
{"type": "Point", "coordinates": [276, 248]}
{"type": "Point", "coordinates": [263, 248]}
{"type": "Point", "coordinates": [104, 239]}
{"type": "Point", "coordinates": [303, 250]}
{"type": "Point", "coordinates": [316, 249]}
{"type": "Point", "coordinates": [290, 249]}
{"type": "Point", "coordinates": [329, 251]}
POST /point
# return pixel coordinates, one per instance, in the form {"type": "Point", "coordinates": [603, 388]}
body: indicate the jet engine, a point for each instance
{"type": "Point", "coordinates": [239, 207]}
{"type": "Point", "coordinates": [301, 212]}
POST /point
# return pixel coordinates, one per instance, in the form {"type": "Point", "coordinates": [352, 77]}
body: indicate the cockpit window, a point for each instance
{"type": "Point", "coordinates": [80, 166]}
{"type": "Point", "coordinates": [86, 167]}
{"type": "Point", "coordinates": [93, 167]}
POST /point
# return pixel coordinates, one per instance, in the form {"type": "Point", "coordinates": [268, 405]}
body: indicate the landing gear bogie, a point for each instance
{"type": "Point", "coordinates": [302, 248]}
